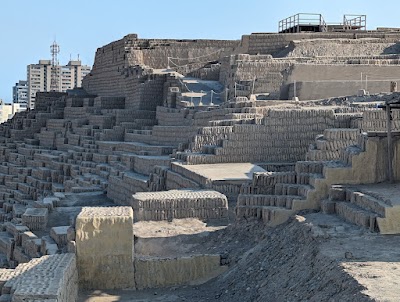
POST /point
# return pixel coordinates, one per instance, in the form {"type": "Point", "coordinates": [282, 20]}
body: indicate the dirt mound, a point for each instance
{"type": "Point", "coordinates": [284, 266]}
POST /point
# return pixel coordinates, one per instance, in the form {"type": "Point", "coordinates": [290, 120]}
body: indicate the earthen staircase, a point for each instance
{"type": "Point", "coordinates": [274, 196]}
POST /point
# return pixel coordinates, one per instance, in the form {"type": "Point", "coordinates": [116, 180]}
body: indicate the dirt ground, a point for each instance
{"type": "Point", "coordinates": [314, 257]}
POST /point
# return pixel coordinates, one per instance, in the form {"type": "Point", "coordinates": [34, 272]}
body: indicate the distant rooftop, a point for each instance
{"type": "Point", "coordinates": [306, 22]}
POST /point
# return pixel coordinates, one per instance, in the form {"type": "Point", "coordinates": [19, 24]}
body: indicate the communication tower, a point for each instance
{"type": "Point", "coordinates": [55, 68]}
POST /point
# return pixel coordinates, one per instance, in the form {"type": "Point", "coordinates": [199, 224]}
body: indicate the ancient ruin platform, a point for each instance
{"type": "Point", "coordinates": [223, 172]}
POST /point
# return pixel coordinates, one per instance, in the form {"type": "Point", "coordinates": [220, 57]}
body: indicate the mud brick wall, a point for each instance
{"type": "Point", "coordinates": [35, 218]}
{"type": "Point", "coordinates": [148, 95]}
{"type": "Point", "coordinates": [173, 117]}
{"type": "Point", "coordinates": [120, 66]}
{"type": "Point", "coordinates": [163, 272]}
{"type": "Point", "coordinates": [283, 136]}
{"type": "Point", "coordinates": [209, 136]}
{"type": "Point", "coordinates": [121, 187]}
{"type": "Point", "coordinates": [375, 120]}
{"type": "Point", "coordinates": [167, 205]}
{"type": "Point", "coordinates": [52, 278]}
{"type": "Point", "coordinates": [175, 180]}
{"type": "Point", "coordinates": [314, 90]}
{"type": "Point", "coordinates": [104, 247]}
{"type": "Point", "coordinates": [329, 145]}
{"type": "Point", "coordinates": [268, 43]}
{"type": "Point", "coordinates": [109, 102]}
{"type": "Point", "coordinates": [317, 81]}
{"type": "Point", "coordinates": [44, 99]}
{"type": "Point", "coordinates": [173, 134]}
{"type": "Point", "coordinates": [269, 74]}
{"type": "Point", "coordinates": [341, 48]}
{"type": "Point", "coordinates": [155, 52]}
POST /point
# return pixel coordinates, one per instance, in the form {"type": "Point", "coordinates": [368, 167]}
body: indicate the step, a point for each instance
{"type": "Point", "coordinates": [358, 198]}
{"type": "Point", "coordinates": [369, 203]}
{"type": "Point", "coordinates": [284, 201]}
{"type": "Point", "coordinates": [175, 180]}
{"type": "Point", "coordinates": [313, 167]}
{"type": "Point", "coordinates": [145, 164]}
{"type": "Point", "coordinates": [231, 122]}
{"type": "Point", "coordinates": [356, 207]}
{"type": "Point", "coordinates": [272, 178]}
{"type": "Point", "coordinates": [292, 189]}
{"type": "Point", "coordinates": [307, 178]}
{"type": "Point", "coordinates": [356, 215]}
{"type": "Point", "coordinates": [346, 155]}
{"type": "Point", "coordinates": [271, 216]}
{"type": "Point", "coordinates": [121, 187]}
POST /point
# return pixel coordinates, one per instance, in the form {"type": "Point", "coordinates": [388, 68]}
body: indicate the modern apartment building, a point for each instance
{"type": "Point", "coordinates": [20, 93]}
{"type": "Point", "coordinates": [67, 77]}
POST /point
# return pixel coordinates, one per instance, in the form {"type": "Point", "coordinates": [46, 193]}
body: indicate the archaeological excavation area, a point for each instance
{"type": "Point", "coordinates": [260, 169]}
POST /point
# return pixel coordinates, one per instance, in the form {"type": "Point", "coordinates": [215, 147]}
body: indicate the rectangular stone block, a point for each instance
{"type": "Point", "coordinates": [104, 247]}
{"type": "Point", "coordinates": [59, 235]}
{"type": "Point", "coordinates": [35, 218]}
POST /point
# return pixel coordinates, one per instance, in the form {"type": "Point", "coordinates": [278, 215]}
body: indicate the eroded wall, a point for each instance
{"type": "Point", "coordinates": [122, 67]}
{"type": "Point", "coordinates": [272, 43]}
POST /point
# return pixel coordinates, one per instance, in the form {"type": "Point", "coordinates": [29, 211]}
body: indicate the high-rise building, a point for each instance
{"type": "Point", "coordinates": [39, 77]}
{"type": "Point", "coordinates": [20, 93]}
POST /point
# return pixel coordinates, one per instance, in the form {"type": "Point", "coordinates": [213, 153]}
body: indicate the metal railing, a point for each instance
{"type": "Point", "coordinates": [304, 19]}
{"type": "Point", "coordinates": [316, 22]}
{"type": "Point", "coordinates": [351, 22]}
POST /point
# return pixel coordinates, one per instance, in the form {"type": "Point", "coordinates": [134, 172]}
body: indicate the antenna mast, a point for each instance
{"type": "Point", "coordinates": [54, 50]}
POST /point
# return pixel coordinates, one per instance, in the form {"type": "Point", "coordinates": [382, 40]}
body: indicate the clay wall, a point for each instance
{"type": "Point", "coordinates": [324, 89]}
{"type": "Point", "coordinates": [282, 136]}
{"type": "Point", "coordinates": [272, 43]}
{"type": "Point", "coordinates": [119, 67]}
{"type": "Point", "coordinates": [340, 48]}
{"type": "Point", "coordinates": [319, 81]}
{"type": "Point", "coordinates": [269, 75]}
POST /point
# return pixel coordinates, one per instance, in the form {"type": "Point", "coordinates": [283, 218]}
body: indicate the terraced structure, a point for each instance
{"type": "Point", "coordinates": [214, 139]}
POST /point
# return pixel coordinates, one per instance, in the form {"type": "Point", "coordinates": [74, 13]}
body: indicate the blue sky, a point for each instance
{"type": "Point", "coordinates": [28, 27]}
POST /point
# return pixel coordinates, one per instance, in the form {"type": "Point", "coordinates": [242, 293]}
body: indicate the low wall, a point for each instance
{"type": "Point", "coordinates": [325, 89]}
{"type": "Point", "coordinates": [319, 81]}
{"type": "Point", "coordinates": [162, 272]}
{"type": "Point", "coordinates": [271, 43]}
{"type": "Point", "coordinates": [176, 204]}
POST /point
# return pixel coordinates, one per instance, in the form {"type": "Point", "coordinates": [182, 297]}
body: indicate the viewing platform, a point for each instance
{"type": "Point", "coordinates": [306, 22]}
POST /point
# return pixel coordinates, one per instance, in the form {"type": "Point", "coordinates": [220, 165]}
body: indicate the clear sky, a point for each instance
{"type": "Point", "coordinates": [28, 27]}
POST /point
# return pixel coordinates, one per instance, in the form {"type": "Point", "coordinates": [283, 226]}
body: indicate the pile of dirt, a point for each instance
{"type": "Point", "coordinates": [285, 266]}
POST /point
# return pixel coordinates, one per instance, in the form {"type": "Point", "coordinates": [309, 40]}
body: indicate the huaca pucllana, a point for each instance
{"type": "Point", "coordinates": [259, 169]}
